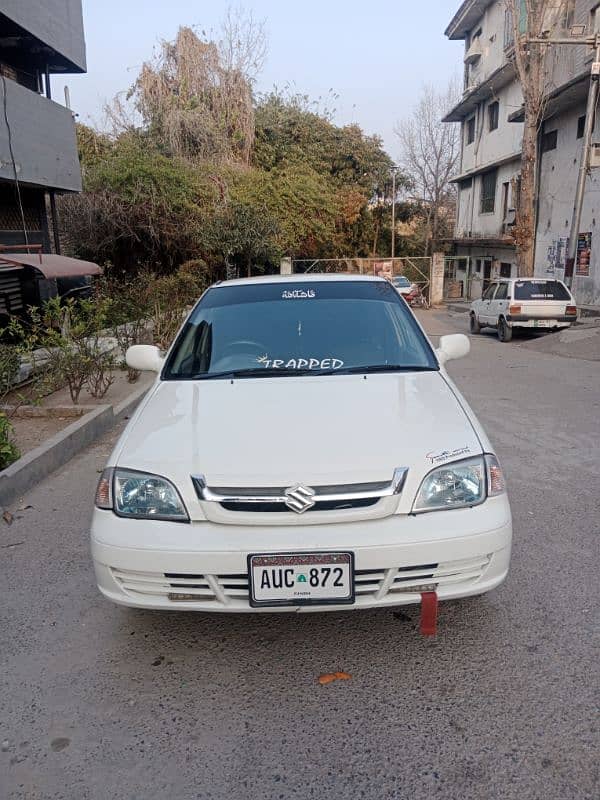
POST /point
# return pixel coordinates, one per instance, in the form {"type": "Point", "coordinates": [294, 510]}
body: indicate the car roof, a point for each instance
{"type": "Point", "coordinates": [312, 278]}
{"type": "Point", "coordinates": [526, 280]}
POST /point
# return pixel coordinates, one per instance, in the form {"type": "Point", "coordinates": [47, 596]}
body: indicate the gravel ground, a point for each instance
{"type": "Point", "coordinates": [102, 703]}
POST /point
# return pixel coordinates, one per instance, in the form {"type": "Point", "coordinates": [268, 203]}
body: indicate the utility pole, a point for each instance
{"type": "Point", "coordinates": [592, 102]}
{"type": "Point", "coordinates": [393, 216]}
{"type": "Point", "coordinates": [571, 268]}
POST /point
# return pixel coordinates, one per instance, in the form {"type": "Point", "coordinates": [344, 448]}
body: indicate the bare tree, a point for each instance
{"type": "Point", "coordinates": [429, 154]}
{"type": "Point", "coordinates": [243, 43]}
{"type": "Point", "coordinates": [532, 19]}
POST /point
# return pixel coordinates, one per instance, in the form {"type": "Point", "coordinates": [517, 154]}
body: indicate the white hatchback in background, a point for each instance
{"type": "Point", "coordinates": [531, 303]}
{"type": "Point", "coordinates": [302, 449]}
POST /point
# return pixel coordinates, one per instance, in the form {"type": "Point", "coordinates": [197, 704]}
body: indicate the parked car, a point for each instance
{"type": "Point", "coordinates": [411, 292]}
{"type": "Point", "coordinates": [402, 285]}
{"type": "Point", "coordinates": [281, 462]}
{"type": "Point", "coordinates": [531, 303]}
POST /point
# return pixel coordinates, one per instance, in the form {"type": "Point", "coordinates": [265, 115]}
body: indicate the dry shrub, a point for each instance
{"type": "Point", "coordinates": [194, 103]}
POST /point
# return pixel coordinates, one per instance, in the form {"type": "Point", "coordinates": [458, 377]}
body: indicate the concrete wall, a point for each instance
{"type": "Point", "coordinates": [495, 145]}
{"type": "Point", "coordinates": [57, 23]}
{"type": "Point", "coordinates": [43, 140]}
{"type": "Point", "coordinates": [492, 43]}
{"type": "Point", "coordinates": [558, 179]}
{"type": "Point", "coordinates": [479, 253]}
{"type": "Point", "coordinates": [469, 216]}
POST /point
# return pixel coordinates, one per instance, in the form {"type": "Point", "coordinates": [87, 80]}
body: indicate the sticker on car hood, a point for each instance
{"type": "Point", "coordinates": [447, 455]}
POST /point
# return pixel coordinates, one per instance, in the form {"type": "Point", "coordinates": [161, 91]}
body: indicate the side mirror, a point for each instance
{"type": "Point", "coordinates": [144, 357]}
{"type": "Point", "coordinates": [454, 346]}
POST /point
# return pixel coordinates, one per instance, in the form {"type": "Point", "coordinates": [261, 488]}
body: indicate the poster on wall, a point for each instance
{"type": "Point", "coordinates": [584, 253]}
{"type": "Point", "coordinates": [556, 256]}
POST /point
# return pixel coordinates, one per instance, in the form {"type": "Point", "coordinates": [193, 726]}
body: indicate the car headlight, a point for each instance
{"type": "Point", "coordinates": [460, 484]}
{"type": "Point", "coordinates": [139, 495]}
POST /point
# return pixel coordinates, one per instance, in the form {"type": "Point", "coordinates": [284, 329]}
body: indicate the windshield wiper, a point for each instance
{"type": "Point", "coordinates": [252, 372]}
{"type": "Point", "coordinates": [384, 368]}
{"type": "Point", "coordinates": [266, 372]}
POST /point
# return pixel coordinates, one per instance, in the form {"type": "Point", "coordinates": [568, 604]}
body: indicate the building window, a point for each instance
{"type": "Point", "coordinates": [471, 130]}
{"type": "Point", "coordinates": [581, 126]}
{"type": "Point", "coordinates": [493, 114]}
{"type": "Point", "coordinates": [505, 269]}
{"type": "Point", "coordinates": [569, 14]}
{"type": "Point", "coordinates": [488, 191]}
{"type": "Point", "coordinates": [549, 141]}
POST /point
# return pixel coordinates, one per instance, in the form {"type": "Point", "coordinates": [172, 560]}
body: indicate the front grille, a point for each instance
{"type": "Point", "coordinates": [322, 505]}
{"type": "Point", "coordinates": [199, 588]}
{"type": "Point", "coordinates": [374, 584]}
{"type": "Point", "coordinates": [300, 498]}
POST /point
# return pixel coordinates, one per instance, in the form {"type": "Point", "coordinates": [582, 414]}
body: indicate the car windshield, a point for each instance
{"type": "Point", "coordinates": [298, 328]}
{"type": "Point", "coordinates": [541, 290]}
{"type": "Point", "coordinates": [401, 282]}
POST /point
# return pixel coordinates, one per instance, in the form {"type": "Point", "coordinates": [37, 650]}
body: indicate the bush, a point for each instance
{"type": "Point", "coordinates": [150, 308]}
{"type": "Point", "coordinates": [10, 363]}
{"type": "Point", "coordinates": [138, 207]}
{"type": "Point", "coordinates": [9, 452]}
{"type": "Point", "coordinates": [172, 296]}
{"type": "Point", "coordinates": [128, 310]}
{"type": "Point", "coordinates": [65, 342]}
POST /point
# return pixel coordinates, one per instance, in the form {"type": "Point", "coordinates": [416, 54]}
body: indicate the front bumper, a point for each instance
{"type": "Point", "coordinates": [460, 553]}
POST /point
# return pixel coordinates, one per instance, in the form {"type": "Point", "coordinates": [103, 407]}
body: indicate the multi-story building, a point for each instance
{"type": "Point", "coordinates": [38, 148]}
{"type": "Point", "coordinates": [490, 113]}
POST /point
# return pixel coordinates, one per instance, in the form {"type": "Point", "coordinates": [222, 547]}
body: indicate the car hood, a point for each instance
{"type": "Point", "coordinates": [282, 431]}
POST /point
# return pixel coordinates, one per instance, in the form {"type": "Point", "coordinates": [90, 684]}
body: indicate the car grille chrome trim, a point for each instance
{"type": "Point", "coordinates": [299, 498]}
{"type": "Point", "coordinates": [232, 590]}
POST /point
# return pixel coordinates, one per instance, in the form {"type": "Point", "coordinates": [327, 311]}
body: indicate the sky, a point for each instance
{"type": "Point", "coordinates": [375, 55]}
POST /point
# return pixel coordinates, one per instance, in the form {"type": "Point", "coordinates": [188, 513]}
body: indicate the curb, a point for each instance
{"type": "Point", "coordinates": [36, 465]}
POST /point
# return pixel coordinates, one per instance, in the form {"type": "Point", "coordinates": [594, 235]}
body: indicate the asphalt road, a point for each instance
{"type": "Point", "coordinates": [99, 702]}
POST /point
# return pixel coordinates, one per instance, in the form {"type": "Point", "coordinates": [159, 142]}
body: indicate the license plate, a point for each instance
{"type": "Point", "coordinates": [301, 579]}
{"type": "Point", "coordinates": [543, 323]}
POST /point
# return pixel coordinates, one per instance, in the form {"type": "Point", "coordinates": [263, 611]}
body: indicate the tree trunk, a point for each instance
{"type": "Point", "coordinates": [376, 235]}
{"type": "Point", "coordinates": [525, 229]}
{"type": "Point", "coordinates": [532, 19]}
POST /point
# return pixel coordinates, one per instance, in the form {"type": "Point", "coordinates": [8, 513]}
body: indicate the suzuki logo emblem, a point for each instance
{"type": "Point", "coordinates": [300, 498]}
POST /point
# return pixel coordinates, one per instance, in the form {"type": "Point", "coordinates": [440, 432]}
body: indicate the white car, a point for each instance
{"type": "Point", "coordinates": [302, 449]}
{"type": "Point", "coordinates": [533, 303]}
{"type": "Point", "coordinates": [402, 285]}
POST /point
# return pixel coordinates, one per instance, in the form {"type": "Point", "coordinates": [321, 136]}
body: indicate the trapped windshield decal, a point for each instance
{"type": "Point", "coordinates": [300, 363]}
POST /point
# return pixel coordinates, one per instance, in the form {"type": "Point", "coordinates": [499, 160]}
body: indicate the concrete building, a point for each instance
{"type": "Point", "coordinates": [490, 114]}
{"type": "Point", "coordinates": [38, 148]}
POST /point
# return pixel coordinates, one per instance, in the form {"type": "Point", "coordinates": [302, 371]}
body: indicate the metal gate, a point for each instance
{"type": "Point", "coordinates": [416, 269]}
